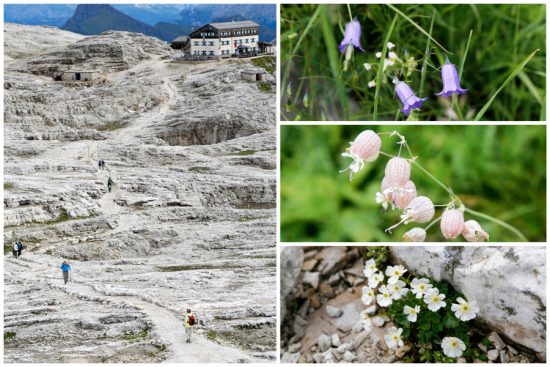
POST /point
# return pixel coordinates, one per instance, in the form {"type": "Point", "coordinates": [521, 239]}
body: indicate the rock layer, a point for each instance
{"type": "Point", "coordinates": [508, 283]}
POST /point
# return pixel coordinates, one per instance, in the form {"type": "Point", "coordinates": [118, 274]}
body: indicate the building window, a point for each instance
{"type": "Point", "coordinates": [196, 43]}
{"type": "Point", "coordinates": [211, 53]}
{"type": "Point", "coordinates": [211, 43]}
{"type": "Point", "coordinates": [203, 52]}
{"type": "Point", "coordinates": [240, 42]}
{"type": "Point", "coordinates": [246, 40]}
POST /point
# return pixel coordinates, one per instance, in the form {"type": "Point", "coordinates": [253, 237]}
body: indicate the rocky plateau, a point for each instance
{"type": "Point", "coordinates": [190, 221]}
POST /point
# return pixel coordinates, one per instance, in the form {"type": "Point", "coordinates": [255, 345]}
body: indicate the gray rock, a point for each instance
{"type": "Point", "coordinates": [490, 275]}
{"type": "Point", "coordinates": [324, 342]}
{"type": "Point", "coordinates": [493, 354]}
{"type": "Point", "coordinates": [290, 357]}
{"type": "Point", "coordinates": [336, 340]}
{"type": "Point", "coordinates": [496, 340]}
{"type": "Point", "coordinates": [333, 311]}
{"type": "Point", "coordinates": [291, 265]}
{"type": "Point", "coordinates": [318, 358]}
{"type": "Point", "coordinates": [294, 348]}
{"type": "Point", "coordinates": [312, 279]}
{"type": "Point", "coordinates": [349, 356]}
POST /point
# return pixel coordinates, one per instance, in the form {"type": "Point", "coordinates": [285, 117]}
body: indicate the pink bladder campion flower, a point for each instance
{"type": "Point", "coordinates": [473, 232]}
{"type": "Point", "coordinates": [365, 148]}
{"type": "Point", "coordinates": [352, 36]}
{"type": "Point", "coordinates": [452, 223]}
{"type": "Point", "coordinates": [408, 98]}
{"type": "Point", "coordinates": [398, 172]}
{"type": "Point", "coordinates": [416, 234]}
{"type": "Point", "coordinates": [402, 196]}
{"type": "Point", "coordinates": [420, 210]}
{"type": "Point", "coordinates": [451, 84]}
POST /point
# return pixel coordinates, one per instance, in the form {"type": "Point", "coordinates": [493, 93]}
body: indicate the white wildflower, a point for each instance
{"type": "Point", "coordinates": [434, 300]}
{"type": "Point", "coordinates": [367, 66]}
{"type": "Point", "coordinates": [367, 296]}
{"type": "Point", "coordinates": [412, 313]}
{"type": "Point", "coordinates": [465, 310]}
{"type": "Point", "coordinates": [420, 286]}
{"type": "Point", "coordinates": [370, 268]}
{"type": "Point", "coordinates": [384, 299]}
{"type": "Point", "coordinates": [398, 289]}
{"type": "Point", "coordinates": [390, 45]}
{"type": "Point", "coordinates": [393, 338]}
{"type": "Point", "coordinates": [375, 279]}
{"type": "Point", "coordinates": [378, 55]}
{"type": "Point", "coordinates": [394, 272]}
{"type": "Point", "coordinates": [452, 347]}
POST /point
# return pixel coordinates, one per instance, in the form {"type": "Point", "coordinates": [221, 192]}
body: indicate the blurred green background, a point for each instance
{"type": "Point", "coordinates": [503, 36]}
{"type": "Point", "coordinates": [497, 170]}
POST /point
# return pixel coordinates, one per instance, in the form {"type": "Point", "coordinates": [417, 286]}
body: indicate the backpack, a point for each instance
{"type": "Point", "coordinates": [191, 320]}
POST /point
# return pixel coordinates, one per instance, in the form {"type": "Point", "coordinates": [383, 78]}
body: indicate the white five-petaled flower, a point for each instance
{"type": "Point", "coordinates": [452, 347]}
{"type": "Point", "coordinates": [384, 299]}
{"type": "Point", "coordinates": [390, 45]}
{"type": "Point", "coordinates": [378, 55]}
{"type": "Point", "coordinates": [434, 300]}
{"type": "Point", "coordinates": [375, 279]}
{"type": "Point", "coordinates": [393, 338]}
{"type": "Point", "coordinates": [370, 268]}
{"type": "Point", "coordinates": [398, 289]}
{"type": "Point", "coordinates": [368, 296]}
{"type": "Point", "coordinates": [394, 272]}
{"type": "Point", "coordinates": [420, 286]}
{"type": "Point", "coordinates": [372, 83]}
{"type": "Point", "coordinates": [412, 313]}
{"type": "Point", "coordinates": [465, 310]}
{"type": "Point", "coordinates": [367, 66]}
{"type": "Point", "coordinates": [392, 55]}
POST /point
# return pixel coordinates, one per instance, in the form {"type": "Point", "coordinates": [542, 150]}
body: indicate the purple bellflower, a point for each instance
{"type": "Point", "coordinates": [352, 36]}
{"type": "Point", "coordinates": [408, 98]}
{"type": "Point", "coordinates": [450, 80]}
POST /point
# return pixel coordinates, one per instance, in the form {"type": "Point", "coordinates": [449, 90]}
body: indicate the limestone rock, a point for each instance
{"type": "Point", "coordinates": [514, 275]}
{"type": "Point", "coordinates": [334, 311]}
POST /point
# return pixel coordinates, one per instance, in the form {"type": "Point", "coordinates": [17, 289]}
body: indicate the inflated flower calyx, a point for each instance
{"type": "Point", "coordinates": [452, 223]}
{"type": "Point", "coordinates": [398, 172]}
{"type": "Point", "coordinates": [416, 234]}
{"type": "Point", "coordinates": [472, 232]}
{"type": "Point", "coordinates": [365, 148]}
{"type": "Point", "coordinates": [420, 210]}
{"type": "Point", "coordinates": [402, 196]}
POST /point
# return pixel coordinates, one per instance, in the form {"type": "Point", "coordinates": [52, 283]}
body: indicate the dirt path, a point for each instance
{"type": "Point", "coordinates": [166, 324]}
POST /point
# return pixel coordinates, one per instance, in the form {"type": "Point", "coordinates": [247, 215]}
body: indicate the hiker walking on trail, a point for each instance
{"type": "Point", "coordinates": [15, 250]}
{"type": "Point", "coordinates": [65, 268]}
{"type": "Point", "coordinates": [101, 164]}
{"type": "Point", "coordinates": [19, 248]}
{"type": "Point", "coordinates": [189, 321]}
{"type": "Point", "coordinates": [109, 184]}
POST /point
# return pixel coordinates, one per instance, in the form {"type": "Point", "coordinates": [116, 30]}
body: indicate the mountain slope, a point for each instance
{"type": "Point", "coordinates": [92, 19]}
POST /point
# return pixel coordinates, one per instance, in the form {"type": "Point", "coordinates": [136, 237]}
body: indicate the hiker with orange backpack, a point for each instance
{"type": "Point", "coordinates": [189, 321]}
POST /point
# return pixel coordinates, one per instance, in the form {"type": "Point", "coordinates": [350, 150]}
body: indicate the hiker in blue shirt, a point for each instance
{"type": "Point", "coordinates": [19, 248]}
{"type": "Point", "coordinates": [66, 268]}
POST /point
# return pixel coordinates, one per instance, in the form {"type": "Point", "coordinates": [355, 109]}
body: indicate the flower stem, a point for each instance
{"type": "Point", "coordinates": [432, 223]}
{"type": "Point", "coordinates": [498, 222]}
{"type": "Point", "coordinates": [349, 11]}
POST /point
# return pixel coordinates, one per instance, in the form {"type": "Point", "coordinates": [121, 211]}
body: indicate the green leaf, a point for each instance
{"type": "Point", "coordinates": [514, 73]}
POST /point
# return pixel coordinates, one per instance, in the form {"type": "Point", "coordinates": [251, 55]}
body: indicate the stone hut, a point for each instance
{"type": "Point", "coordinates": [253, 74]}
{"type": "Point", "coordinates": [79, 75]}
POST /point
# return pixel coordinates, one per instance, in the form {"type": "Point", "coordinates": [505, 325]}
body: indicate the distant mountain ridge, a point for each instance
{"type": "Point", "coordinates": [91, 19]}
{"type": "Point", "coordinates": [164, 21]}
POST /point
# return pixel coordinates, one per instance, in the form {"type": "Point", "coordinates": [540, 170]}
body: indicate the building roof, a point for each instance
{"type": "Point", "coordinates": [181, 39]}
{"type": "Point", "coordinates": [234, 25]}
{"type": "Point", "coordinates": [79, 71]}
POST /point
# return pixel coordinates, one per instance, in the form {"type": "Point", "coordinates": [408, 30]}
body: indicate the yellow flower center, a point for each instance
{"type": "Point", "coordinates": [395, 337]}
{"type": "Point", "coordinates": [422, 287]}
{"type": "Point", "coordinates": [465, 307]}
{"type": "Point", "coordinates": [396, 272]}
{"type": "Point", "coordinates": [372, 267]}
{"type": "Point", "coordinates": [412, 311]}
{"type": "Point", "coordinates": [454, 344]}
{"type": "Point", "coordinates": [435, 299]}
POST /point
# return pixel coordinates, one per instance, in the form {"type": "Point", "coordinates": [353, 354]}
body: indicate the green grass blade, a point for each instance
{"type": "Point", "coordinates": [465, 55]}
{"type": "Point", "coordinates": [418, 27]}
{"type": "Point", "coordinates": [530, 86]}
{"type": "Point", "coordinates": [332, 51]}
{"type": "Point", "coordinates": [514, 73]}
{"type": "Point", "coordinates": [380, 66]}
{"type": "Point", "coordinates": [426, 57]}
{"type": "Point", "coordinates": [296, 47]}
